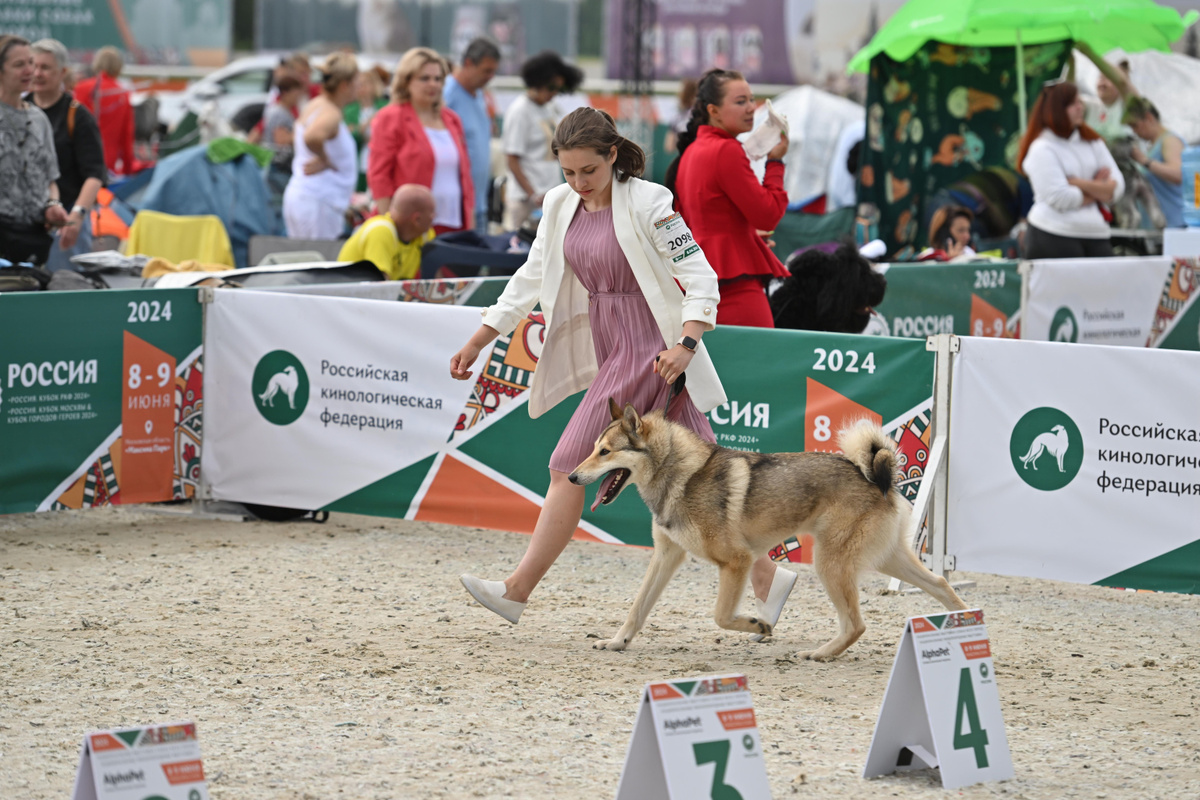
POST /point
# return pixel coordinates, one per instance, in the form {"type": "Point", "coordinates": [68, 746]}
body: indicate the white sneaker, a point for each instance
{"type": "Point", "coordinates": [781, 588]}
{"type": "Point", "coordinates": [490, 595]}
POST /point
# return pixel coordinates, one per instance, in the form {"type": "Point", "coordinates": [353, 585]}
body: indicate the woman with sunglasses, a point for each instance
{"type": "Point", "coordinates": [1072, 174]}
{"type": "Point", "coordinates": [29, 204]}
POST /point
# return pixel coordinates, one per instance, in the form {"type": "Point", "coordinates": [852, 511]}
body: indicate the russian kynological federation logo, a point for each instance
{"type": "Point", "coordinates": [280, 387]}
{"type": "Point", "coordinates": [1064, 327]}
{"type": "Point", "coordinates": [1046, 449]}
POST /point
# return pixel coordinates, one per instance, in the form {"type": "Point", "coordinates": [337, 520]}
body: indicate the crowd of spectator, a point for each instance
{"type": "Point", "coordinates": [346, 132]}
{"type": "Point", "coordinates": [431, 128]}
{"type": "Point", "coordinates": [335, 134]}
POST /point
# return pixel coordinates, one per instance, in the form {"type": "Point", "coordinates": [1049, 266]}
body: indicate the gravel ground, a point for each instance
{"type": "Point", "coordinates": [345, 660]}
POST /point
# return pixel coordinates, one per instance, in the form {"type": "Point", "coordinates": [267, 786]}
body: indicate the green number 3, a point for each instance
{"type": "Point", "coordinates": [716, 753]}
{"type": "Point", "coordinates": [975, 738]}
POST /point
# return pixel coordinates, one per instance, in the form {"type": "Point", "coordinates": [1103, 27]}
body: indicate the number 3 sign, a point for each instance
{"type": "Point", "coordinates": [941, 708]}
{"type": "Point", "coordinates": [695, 738]}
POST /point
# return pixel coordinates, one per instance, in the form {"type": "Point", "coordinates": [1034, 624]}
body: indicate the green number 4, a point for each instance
{"type": "Point", "coordinates": [975, 738]}
{"type": "Point", "coordinates": [716, 753]}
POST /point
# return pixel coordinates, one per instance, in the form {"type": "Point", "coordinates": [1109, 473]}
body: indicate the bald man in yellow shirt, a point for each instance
{"type": "Point", "coordinates": [393, 241]}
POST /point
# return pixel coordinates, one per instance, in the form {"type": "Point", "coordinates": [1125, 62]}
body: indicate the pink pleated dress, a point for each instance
{"type": "Point", "coordinates": [626, 338]}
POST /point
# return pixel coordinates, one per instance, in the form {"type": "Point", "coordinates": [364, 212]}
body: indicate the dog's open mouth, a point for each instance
{"type": "Point", "coordinates": [610, 487]}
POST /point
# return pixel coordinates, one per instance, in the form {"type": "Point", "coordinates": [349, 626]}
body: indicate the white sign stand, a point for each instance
{"type": "Point", "coordinates": [695, 738]}
{"type": "Point", "coordinates": [942, 708]}
{"type": "Point", "coordinates": [156, 761]}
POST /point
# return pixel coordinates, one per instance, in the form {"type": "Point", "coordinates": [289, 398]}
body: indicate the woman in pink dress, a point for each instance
{"type": "Point", "coordinates": [607, 266]}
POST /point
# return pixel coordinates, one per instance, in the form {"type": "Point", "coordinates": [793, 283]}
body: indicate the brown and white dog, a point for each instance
{"type": "Point", "coordinates": [730, 507]}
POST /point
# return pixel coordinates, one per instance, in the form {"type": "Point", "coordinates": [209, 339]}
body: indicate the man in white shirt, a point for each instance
{"type": "Point", "coordinates": [529, 125]}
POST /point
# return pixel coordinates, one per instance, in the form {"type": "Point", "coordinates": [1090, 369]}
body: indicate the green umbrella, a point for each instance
{"type": "Point", "coordinates": [1132, 25]}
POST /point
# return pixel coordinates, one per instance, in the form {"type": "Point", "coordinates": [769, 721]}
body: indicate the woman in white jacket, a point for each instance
{"type": "Point", "coordinates": [1072, 173]}
{"type": "Point", "coordinates": [604, 266]}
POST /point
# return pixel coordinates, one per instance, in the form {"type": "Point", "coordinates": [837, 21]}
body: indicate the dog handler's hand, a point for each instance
{"type": "Point", "coordinates": [463, 359]}
{"type": "Point", "coordinates": [673, 362]}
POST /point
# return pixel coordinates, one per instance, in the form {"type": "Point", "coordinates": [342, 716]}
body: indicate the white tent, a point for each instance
{"type": "Point", "coordinates": [816, 120]}
{"type": "Point", "coordinates": [1169, 80]}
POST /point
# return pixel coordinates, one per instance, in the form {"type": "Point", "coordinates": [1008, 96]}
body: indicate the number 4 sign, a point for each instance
{"type": "Point", "coordinates": [941, 708]}
{"type": "Point", "coordinates": [695, 738]}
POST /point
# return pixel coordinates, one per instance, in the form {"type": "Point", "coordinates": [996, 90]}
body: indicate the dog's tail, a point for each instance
{"type": "Point", "coordinates": [872, 451]}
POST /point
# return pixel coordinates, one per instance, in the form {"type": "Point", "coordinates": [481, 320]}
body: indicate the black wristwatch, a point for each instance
{"type": "Point", "coordinates": [688, 343]}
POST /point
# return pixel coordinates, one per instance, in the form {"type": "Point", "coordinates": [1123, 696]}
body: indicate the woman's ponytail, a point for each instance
{"type": "Point", "coordinates": [596, 130]}
{"type": "Point", "coordinates": [709, 91]}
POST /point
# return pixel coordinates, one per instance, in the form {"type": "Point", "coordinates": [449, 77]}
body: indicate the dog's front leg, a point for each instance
{"type": "Point", "coordinates": [663, 563]}
{"type": "Point", "coordinates": [731, 586]}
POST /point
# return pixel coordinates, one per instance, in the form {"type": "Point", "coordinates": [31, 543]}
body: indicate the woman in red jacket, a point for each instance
{"type": "Point", "coordinates": [726, 207]}
{"type": "Point", "coordinates": [415, 139]}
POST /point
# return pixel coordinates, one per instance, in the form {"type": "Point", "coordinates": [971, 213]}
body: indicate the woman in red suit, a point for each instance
{"type": "Point", "coordinates": [726, 207]}
{"type": "Point", "coordinates": [416, 139]}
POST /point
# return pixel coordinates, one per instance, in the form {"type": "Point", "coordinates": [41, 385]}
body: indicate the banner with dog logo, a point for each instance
{"type": "Point", "coordinates": [1076, 463]}
{"type": "Point", "coordinates": [942, 707]}
{"type": "Point", "coordinates": [692, 738]}
{"type": "Point", "coordinates": [928, 298]}
{"type": "Point", "coordinates": [155, 762]}
{"type": "Point", "coordinates": [100, 398]}
{"type": "Point", "coordinates": [1109, 301]}
{"type": "Point", "coordinates": [788, 391]}
{"type": "Point", "coordinates": [312, 398]}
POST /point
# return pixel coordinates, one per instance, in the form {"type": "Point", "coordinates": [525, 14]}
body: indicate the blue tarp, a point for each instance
{"type": "Point", "coordinates": [187, 183]}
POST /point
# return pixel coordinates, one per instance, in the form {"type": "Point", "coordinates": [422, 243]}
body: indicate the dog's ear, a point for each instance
{"type": "Point", "coordinates": [614, 409]}
{"type": "Point", "coordinates": [632, 419]}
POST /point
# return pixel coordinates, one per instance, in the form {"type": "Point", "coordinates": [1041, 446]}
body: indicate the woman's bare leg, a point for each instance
{"type": "Point", "coordinates": [556, 524]}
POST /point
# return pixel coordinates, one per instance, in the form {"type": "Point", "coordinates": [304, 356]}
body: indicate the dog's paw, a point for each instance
{"type": "Point", "coordinates": [815, 655]}
{"type": "Point", "coordinates": [619, 643]}
{"type": "Point", "coordinates": [764, 627]}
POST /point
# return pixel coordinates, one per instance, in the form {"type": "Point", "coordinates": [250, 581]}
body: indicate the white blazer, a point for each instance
{"type": "Point", "coordinates": [642, 213]}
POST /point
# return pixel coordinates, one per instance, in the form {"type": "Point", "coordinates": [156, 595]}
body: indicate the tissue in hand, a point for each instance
{"type": "Point", "coordinates": [764, 138]}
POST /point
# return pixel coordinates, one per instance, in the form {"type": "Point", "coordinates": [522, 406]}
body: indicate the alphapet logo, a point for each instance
{"type": "Point", "coordinates": [121, 780]}
{"type": "Point", "coordinates": [1046, 449]}
{"type": "Point", "coordinates": [280, 387]}
{"type": "Point", "coordinates": [1064, 327]}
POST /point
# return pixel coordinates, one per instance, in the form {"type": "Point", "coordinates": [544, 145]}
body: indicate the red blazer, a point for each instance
{"type": "Point", "coordinates": [724, 204]}
{"type": "Point", "coordinates": [401, 153]}
{"type": "Point", "coordinates": [109, 103]}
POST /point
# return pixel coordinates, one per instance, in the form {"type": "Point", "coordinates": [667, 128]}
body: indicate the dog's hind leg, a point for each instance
{"type": "Point", "coordinates": [841, 584]}
{"type": "Point", "coordinates": [731, 587]}
{"type": "Point", "coordinates": [663, 563]}
{"type": "Point", "coordinates": [904, 564]}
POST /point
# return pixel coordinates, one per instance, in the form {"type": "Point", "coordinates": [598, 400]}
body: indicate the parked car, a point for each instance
{"type": "Point", "coordinates": [239, 86]}
{"type": "Point", "coordinates": [243, 82]}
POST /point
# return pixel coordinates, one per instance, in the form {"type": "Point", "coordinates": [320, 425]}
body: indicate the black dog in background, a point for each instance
{"type": "Point", "coordinates": [832, 292]}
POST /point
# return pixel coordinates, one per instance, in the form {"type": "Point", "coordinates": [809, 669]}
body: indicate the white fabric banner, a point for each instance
{"type": "Point", "coordinates": [1070, 462]}
{"type": "Point", "coordinates": [308, 399]}
{"type": "Point", "coordinates": [1093, 301]}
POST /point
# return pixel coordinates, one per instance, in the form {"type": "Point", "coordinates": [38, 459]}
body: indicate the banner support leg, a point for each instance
{"type": "Point", "coordinates": [944, 345]}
